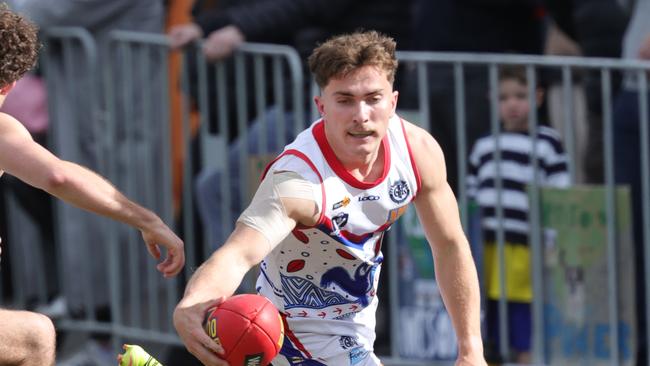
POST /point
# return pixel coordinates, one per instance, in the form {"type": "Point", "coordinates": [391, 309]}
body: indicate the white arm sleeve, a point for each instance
{"type": "Point", "coordinates": [267, 214]}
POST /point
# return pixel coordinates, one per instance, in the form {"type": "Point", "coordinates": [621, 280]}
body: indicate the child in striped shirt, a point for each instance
{"type": "Point", "coordinates": [516, 171]}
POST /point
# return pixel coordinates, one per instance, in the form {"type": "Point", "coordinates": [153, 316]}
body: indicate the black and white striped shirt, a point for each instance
{"type": "Point", "coordinates": [516, 171]}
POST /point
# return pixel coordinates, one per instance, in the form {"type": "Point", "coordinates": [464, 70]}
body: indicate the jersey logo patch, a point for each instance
{"type": "Point", "coordinates": [347, 342]}
{"type": "Point", "coordinates": [399, 191]}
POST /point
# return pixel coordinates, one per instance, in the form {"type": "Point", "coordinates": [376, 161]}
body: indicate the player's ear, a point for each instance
{"type": "Point", "coordinates": [7, 88]}
{"type": "Point", "coordinates": [319, 105]}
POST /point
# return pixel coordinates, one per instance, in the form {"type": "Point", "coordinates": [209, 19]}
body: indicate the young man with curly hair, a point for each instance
{"type": "Point", "coordinates": [26, 338]}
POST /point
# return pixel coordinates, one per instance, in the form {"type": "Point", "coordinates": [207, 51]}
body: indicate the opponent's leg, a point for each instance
{"type": "Point", "coordinates": [26, 339]}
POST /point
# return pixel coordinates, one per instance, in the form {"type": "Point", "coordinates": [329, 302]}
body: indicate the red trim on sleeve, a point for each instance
{"type": "Point", "coordinates": [319, 134]}
{"type": "Point", "coordinates": [418, 179]}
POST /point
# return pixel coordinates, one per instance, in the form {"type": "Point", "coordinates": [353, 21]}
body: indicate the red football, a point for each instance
{"type": "Point", "coordinates": [248, 327]}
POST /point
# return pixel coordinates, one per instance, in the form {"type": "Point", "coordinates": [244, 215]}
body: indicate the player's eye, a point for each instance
{"type": "Point", "coordinates": [374, 99]}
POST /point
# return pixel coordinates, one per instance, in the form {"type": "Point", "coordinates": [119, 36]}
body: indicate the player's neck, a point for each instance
{"type": "Point", "coordinates": [366, 168]}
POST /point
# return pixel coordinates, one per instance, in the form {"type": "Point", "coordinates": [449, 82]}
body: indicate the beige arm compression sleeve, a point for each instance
{"type": "Point", "coordinates": [266, 212]}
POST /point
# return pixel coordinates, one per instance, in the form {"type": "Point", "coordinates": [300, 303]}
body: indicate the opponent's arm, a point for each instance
{"type": "Point", "coordinates": [455, 270]}
{"type": "Point", "coordinates": [272, 215]}
{"type": "Point", "coordinates": [20, 156]}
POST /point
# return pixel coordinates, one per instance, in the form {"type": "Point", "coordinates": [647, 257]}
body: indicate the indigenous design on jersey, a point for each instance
{"type": "Point", "coordinates": [330, 272]}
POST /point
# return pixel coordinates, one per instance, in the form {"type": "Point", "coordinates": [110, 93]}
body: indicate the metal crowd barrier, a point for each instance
{"type": "Point", "coordinates": [105, 103]}
{"type": "Point", "coordinates": [267, 84]}
{"type": "Point", "coordinates": [568, 66]}
{"type": "Point", "coordinates": [117, 122]}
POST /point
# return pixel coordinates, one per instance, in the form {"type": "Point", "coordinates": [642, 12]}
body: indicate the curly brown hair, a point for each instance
{"type": "Point", "coordinates": [342, 54]}
{"type": "Point", "coordinates": [18, 45]}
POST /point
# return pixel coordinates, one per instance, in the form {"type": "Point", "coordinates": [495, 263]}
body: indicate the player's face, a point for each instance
{"type": "Point", "coordinates": [356, 110]}
{"type": "Point", "coordinates": [513, 105]}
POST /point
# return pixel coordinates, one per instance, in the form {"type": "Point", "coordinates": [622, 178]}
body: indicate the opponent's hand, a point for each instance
{"type": "Point", "coordinates": [157, 235]}
{"type": "Point", "coordinates": [181, 35]}
{"type": "Point", "coordinates": [221, 43]}
{"type": "Point", "coordinates": [188, 321]}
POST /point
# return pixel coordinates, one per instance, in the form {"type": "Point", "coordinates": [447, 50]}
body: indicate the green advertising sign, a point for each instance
{"type": "Point", "coordinates": [576, 273]}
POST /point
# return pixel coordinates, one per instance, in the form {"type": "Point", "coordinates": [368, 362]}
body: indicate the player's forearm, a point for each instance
{"type": "Point", "coordinates": [87, 190]}
{"type": "Point", "coordinates": [456, 274]}
{"type": "Point", "coordinates": [219, 276]}
{"type": "Point", "coordinates": [222, 273]}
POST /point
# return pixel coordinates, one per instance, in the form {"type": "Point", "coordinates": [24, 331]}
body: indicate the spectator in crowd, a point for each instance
{"type": "Point", "coordinates": [307, 21]}
{"type": "Point", "coordinates": [574, 129]}
{"type": "Point", "coordinates": [358, 149]}
{"type": "Point", "coordinates": [505, 26]}
{"type": "Point", "coordinates": [627, 154]}
{"type": "Point", "coordinates": [515, 171]}
{"type": "Point", "coordinates": [597, 28]}
{"type": "Point", "coordinates": [301, 24]}
{"type": "Point", "coordinates": [28, 338]}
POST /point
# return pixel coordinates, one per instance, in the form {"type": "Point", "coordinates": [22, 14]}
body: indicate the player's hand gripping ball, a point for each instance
{"type": "Point", "coordinates": [248, 328]}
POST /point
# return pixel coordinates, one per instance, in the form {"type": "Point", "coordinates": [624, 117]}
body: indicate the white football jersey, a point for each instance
{"type": "Point", "coordinates": [323, 279]}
